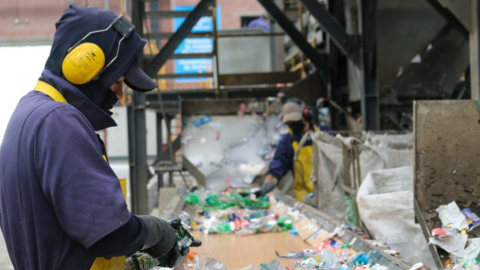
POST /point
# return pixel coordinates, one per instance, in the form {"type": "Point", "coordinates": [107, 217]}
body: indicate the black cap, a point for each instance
{"type": "Point", "coordinates": [138, 80]}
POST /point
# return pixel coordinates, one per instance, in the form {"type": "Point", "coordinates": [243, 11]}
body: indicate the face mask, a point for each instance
{"type": "Point", "coordinates": [296, 127]}
{"type": "Point", "coordinates": [109, 102]}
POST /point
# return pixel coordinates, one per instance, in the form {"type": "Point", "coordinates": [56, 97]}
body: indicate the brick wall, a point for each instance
{"type": "Point", "coordinates": [26, 18]}
{"type": "Point", "coordinates": [30, 18]}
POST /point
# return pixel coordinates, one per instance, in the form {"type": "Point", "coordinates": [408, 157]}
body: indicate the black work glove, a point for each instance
{"type": "Point", "coordinates": [265, 189]}
{"type": "Point", "coordinates": [171, 257]}
{"type": "Point", "coordinates": [161, 236]}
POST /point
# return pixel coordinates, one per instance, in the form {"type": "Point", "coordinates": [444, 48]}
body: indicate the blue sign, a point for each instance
{"type": "Point", "coordinates": [195, 45]}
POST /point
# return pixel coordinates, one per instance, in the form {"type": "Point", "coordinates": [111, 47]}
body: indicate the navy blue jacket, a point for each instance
{"type": "Point", "coordinates": [59, 198]}
{"type": "Point", "coordinates": [282, 162]}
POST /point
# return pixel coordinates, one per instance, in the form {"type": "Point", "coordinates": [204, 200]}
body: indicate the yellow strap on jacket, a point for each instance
{"type": "Point", "coordinates": [302, 169]}
{"type": "Point", "coordinates": [99, 263]}
{"type": "Point", "coordinates": [49, 91]}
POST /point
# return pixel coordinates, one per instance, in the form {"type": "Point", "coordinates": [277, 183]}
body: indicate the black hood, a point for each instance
{"type": "Point", "coordinates": [76, 23]}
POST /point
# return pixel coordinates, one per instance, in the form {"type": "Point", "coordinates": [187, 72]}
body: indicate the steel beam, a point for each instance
{"type": "Point", "coordinates": [184, 75]}
{"type": "Point", "coordinates": [259, 78]}
{"type": "Point", "coordinates": [297, 37]}
{"type": "Point", "coordinates": [138, 132]}
{"type": "Point", "coordinates": [160, 151]}
{"type": "Point", "coordinates": [331, 26]}
{"type": "Point", "coordinates": [168, 122]}
{"type": "Point", "coordinates": [166, 52]}
{"type": "Point", "coordinates": [184, 56]}
{"type": "Point", "coordinates": [161, 14]}
{"type": "Point", "coordinates": [167, 35]}
{"type": "Point", "coordinates": [412, 68]}
{"type": "Point", "coordinates": [370, 102]}
{"type": "Point", "coordinates": [475, 51]}
{"type": "Point", "coordinates": [450, 17]}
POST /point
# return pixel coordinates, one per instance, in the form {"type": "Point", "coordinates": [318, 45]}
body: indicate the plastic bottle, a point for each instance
{"type": "Point", "coordinates": [373, 256]}
{"type": "Point", "coordinates": [285, 223]}
{"type": "Point", "coordinates": [269, 224]}
{"type": "Point", "coordinates": [273, 265]}
{"type": "Point", "coordinates": [191, 198]}
{"type": "Point", "coordinates": [226, 228]}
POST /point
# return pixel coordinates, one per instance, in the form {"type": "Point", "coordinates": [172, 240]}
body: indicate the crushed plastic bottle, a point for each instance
{"type": "Point", "coordinates": [273, 265]}
{"type": "Point", "coordinates": [373, 256]}
{"type": "Point", "coordinates": [191, 198]}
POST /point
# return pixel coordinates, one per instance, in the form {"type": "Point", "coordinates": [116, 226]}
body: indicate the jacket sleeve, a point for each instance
{"type": "Point", "coordinates": [78, 182]}
{"type": "Point", "coordinates": [125, 240]}
{"type": "Point", "coordinates": [283, 159]}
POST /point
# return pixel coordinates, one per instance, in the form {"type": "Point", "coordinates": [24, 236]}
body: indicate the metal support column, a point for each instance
{"type": "Point", "coordinates": [215, 66]}
{"type": "Point", "coordinates": [159, 145]}
{"type": "Point", "coordinates": [475, 51]}
{"type": "Point", "coordinates": [138, 131]}
{"type": "Point", "coordinates": [368, 63]}
{"type": "Point", "coordinates": [293, 32]}
{"type": "Point", "coordinates": [450, 17]}
{"type": "Point", "coordinates": [168, 124]}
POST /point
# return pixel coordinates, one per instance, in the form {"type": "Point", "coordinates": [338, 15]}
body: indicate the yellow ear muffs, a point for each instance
{"type": "Point", "coordinates": [83, 63]}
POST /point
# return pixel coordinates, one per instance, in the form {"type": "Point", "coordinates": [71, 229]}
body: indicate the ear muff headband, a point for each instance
{"type": "Point", "coordinates": [83, 63]}
{"type": "Point", "coordinates": [86, 61]}
{"type": "Point", "coordinates": [307, 111]}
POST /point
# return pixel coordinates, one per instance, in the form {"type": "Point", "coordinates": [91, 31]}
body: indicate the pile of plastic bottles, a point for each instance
{"type": "Point", "coordinates": [237, 221]}
{"type": "Point", "coordinates": [313, 260]}
{"type": "Point", "coordinates": [226, 212]}
{"type": "Point", "coordinates": [209, 201]}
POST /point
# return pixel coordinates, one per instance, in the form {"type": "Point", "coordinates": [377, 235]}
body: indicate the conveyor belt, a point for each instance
{"type": "Point", "coordinates": [237, 252]}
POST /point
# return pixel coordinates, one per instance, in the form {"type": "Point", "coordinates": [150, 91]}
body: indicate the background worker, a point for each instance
{"type": "Point", "coordinates": [61, 204]}
{"type": "Point", "coordinates": [299, 119]}
{"type": "Point", "coordinates": [261, 22]}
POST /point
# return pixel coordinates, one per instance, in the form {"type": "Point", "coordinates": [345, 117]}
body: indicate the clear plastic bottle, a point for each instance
{"type": "Point", "coordinates": [273, 265]}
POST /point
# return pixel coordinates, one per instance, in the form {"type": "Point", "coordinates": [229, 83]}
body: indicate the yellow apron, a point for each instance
{"type": "Point", "coordinates": [100, 263]}
{"type": "Point", "coordinates": [302, 169]}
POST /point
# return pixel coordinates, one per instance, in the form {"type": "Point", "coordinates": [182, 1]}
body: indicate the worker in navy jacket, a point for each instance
{"type": "Point", "coordinates": [289, 154]}
{"type": "Point", "coordinates": [61, 205]}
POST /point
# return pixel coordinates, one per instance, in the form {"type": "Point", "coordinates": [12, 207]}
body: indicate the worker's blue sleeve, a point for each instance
{"type": "Point", "coordinates": [127, 239]}
{"type": "Point", "coordinates": [283, 159]}
{"type": "Point", "coordinates": [76, 180]}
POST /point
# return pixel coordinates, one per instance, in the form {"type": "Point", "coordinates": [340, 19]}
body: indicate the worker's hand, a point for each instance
{"type": "Point", "coordinates": [161, 236]}
{"type": "Point", "coordinates": [143, 262]}
{"type": "Point", "coordinates": [176, 224]}
{"type": "Point", "coordinates": [265, 189]}
{"type": "Point", "coordinates": [176, 252]}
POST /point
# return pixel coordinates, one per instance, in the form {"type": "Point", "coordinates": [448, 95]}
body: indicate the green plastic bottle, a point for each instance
{"type": "Point", "coordinates": [191, 198]}
{"type": "Point", "coordinates": [224, 228]}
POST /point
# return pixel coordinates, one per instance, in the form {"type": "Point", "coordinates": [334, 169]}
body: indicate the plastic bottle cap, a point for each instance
{"type": "Point", "coordinates": [191, 255]}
